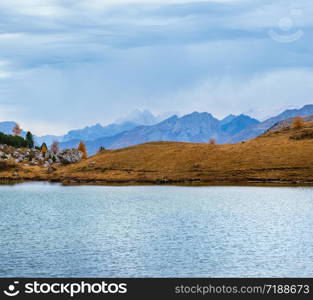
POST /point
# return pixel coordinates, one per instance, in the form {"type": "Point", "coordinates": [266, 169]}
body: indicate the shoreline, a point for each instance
{"type": "Point", "coordinates": [191, 183]}
{"type": "Point", "coordinates": [270, 160]}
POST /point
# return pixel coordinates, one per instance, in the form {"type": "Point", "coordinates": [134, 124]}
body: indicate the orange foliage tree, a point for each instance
{"type": "Point", "coordinates": [82, 148]}
{"type": "Point", "coordinates": [298, 123]}
{"type": "Point", "coordinates": [17, 130]}
{"type": "Point", "coordinates": [43, 148]}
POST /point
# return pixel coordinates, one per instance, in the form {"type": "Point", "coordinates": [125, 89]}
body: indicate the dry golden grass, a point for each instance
{"type": "Point", "coordinates": [272, 157]}
{"type": "Point", "coordinates": [19, 172]}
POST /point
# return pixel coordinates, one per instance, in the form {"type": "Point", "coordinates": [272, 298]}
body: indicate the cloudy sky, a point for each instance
{"type": "Point", "coordinates": [66, 64]}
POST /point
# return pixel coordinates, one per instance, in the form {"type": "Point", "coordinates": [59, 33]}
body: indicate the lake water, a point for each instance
{"type": "Point", "coordinates": [139, 231]}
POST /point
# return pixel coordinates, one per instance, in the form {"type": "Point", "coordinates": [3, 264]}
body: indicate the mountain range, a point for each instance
{"type": "Point", "coordinates": [132, 120]}
{"type": "Point", "coordinates": [195, 127]}
{"type": "Point", "coordinates": [254, 131]}
{"type": "Point", "coordinates": [142, 127]}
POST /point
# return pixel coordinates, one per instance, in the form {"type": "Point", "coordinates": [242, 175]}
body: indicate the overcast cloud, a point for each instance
{"type": "Point", "coordinates": [67, 64]}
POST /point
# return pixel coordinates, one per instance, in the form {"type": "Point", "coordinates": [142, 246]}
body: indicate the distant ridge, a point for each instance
{"type": "Point", "coordinates": [195, 127]}
{"type": "Point", "coordinates": [90, 133]}
{"type": "Point", "coordinates": [258, 129]}
{"type": "Point", "coordinates": [198, 128]}
{"type": "Point", "coordinates": [227, 119]}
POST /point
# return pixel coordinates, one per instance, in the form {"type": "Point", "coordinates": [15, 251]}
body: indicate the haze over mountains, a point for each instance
{"type": "Point", "coordinates": [143, 126]}
{"type": "Point", "coordinates": [257, 130]}
{"type": "Point", "coordinates": [194, 127]}
{"type": "Point", "coordinates": [94, 132]}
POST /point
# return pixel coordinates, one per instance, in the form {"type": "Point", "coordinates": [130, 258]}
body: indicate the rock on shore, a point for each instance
{"type": "Point", "coordinates": [35, 157]}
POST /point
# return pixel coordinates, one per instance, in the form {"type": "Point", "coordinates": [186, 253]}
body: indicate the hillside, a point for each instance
{"type": "Point", "coordinates": [278, 156]}
{"type": "Point", "coordinates": [273, 157]}
{"type": "Point", "coordinates": [195, 127]}
{"type": "Point", "coordinates": [254, 131]}
{"type": "Point", "coordinates": [288, 122]}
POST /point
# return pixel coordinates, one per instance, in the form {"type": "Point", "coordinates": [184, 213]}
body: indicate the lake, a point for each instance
{"type": "Point", "coordinates": [49, 230]}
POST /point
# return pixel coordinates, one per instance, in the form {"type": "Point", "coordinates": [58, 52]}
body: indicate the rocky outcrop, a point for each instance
{"type": "Point", "coordinates": [70, 156]}
{"type": "Point", "coordinates": [35, 157]}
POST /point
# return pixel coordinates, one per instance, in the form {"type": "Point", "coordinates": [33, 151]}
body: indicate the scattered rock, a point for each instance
{"type": "Point", "coordinates": [35, 157]}
{"type": "Point", "coordinates": [92, 164]}
{"type": "Point", "coordinates": [51, 170]}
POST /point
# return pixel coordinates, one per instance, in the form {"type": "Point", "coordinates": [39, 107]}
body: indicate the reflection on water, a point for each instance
{"type": "Point", "coordinates": [93, 231]}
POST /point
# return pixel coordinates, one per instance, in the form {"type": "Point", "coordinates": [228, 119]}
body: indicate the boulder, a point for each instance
{"type": "Point", "coordinates": [70, 156]}
{"type": "Point", "coordinates": [51, 170]}
{"type": "Point", "coordinates": [92, 164]}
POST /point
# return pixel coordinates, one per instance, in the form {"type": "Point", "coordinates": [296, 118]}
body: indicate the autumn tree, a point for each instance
{"type": "Point", "coordinates": [17, 130]}
{"type": "Point", "coordinates": [44, 148]}
{"type": "Point", "coordinates": [30, 140]}
{"type": "Point", "coordinates": [82, 148]}
{"type": "Point", "coordinates": [212, 141]}
{"type": "Point", "coordinates": [298, 123]}
{"type": "Point", "coordinates": [55, 147]}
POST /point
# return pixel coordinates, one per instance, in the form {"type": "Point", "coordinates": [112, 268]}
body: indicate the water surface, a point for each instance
{"type": "Point", "coordinates": [95, 231]}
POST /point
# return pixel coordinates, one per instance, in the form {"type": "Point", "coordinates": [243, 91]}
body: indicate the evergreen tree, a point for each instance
{"type": "Point", "coordinates": [30, 140]}
{"type": "Point", "coordinates": [101, 149]}
{"type": "Point", "coordinates": [14, 141]}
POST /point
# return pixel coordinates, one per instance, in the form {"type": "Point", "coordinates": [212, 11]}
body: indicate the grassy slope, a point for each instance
{"type": "Point", "coordinates": [271, 157]}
